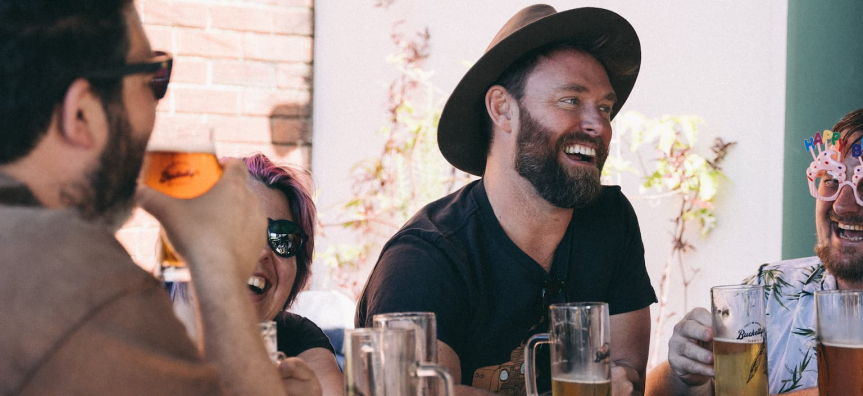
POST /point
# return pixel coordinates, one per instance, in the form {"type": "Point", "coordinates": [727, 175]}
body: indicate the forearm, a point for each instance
{"type": "Point", "coordinates": [630, 335]}
{"type": "Point", "coordinates": [231, 337]}
{"type": "Point", "coordinates": [662, 382]}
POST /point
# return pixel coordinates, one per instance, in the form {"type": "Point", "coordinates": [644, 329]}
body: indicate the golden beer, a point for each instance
{"type": "Point", "coordinates": [574, 387]}
{"type": "Point", "coordinates": [740, 368]}
{"type": "Point", "coordinates": [840, 370]}
{"type": "Point", "coordinates": [180, 175]}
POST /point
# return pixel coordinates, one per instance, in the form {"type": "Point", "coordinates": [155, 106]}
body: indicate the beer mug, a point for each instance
{"type": "Point", "coordinates": [740, 340]}
{"type": "Point", "coordinates": [424, 325]}
{"type": "Point", "coordinates": [580, 341]}
{"type": "Point", "coordinates": [839, 318]}
{"type": "Point", "coordinates": [384, 362]}
{"type": "Point", "coordinates": [180, 162]}
{"type": "Point", "coordinates": [271, 341]}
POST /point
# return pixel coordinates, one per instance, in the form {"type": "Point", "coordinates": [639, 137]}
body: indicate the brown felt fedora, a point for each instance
{"type": "Point", "coordinates": [462, 131]}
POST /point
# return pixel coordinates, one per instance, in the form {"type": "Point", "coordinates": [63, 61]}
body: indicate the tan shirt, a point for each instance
{"type": "Point", "coordinates": [78, 317]}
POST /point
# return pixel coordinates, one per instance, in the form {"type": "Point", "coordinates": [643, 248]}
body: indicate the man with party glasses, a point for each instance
{"type": "Point", "coordinates": [78, 91]}
{"type": "Point", "coordinates": [533, 118]}
{"type": "Point", "coordinates": [791, 284]}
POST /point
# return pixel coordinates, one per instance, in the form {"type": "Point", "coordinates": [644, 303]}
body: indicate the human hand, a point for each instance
{"type": "Point", "coordinates": [222, 227]}
{"type": "Point", "coordinates": [298, 378]}
{"type": "Point", "coordinates": [623, 380]}
{"type": "Point", "coordinates": [690, 349]}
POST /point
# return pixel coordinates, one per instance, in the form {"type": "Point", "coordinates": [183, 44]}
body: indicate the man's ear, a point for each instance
{"type": "Point", "coordinates": [500, 105]}
{"type": "Point", "coordinates": [81, 113]}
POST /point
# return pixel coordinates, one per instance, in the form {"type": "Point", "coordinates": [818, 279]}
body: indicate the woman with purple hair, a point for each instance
{"type": "Point", "coordinates": [284, 268]}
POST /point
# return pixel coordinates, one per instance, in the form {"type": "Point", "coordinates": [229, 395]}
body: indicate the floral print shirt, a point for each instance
{"type": "Point", "coordinates": [791, 346]}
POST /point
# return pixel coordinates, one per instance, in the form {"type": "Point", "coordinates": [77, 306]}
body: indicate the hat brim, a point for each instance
{"type": "Point", "coordinates": [462, 137]}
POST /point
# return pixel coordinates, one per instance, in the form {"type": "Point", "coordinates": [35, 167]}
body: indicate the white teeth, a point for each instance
{"type": "Point", "coordinates": [579, 149]}
{"type": "Point", "coordinates": [257, 282]}
{"type": "Point", "coordinates": [850, 227]}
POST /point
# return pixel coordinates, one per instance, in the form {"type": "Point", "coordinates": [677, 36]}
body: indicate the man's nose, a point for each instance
{"type": "Point", "coordinates": [593, 121]}
{"type": "Point", "coordinates": [846, 202]}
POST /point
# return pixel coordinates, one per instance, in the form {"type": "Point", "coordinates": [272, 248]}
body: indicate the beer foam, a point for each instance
{"type": "Point", "coordinates": [184, 147]}
{"type": "Point", "coordinates": [581, 380]}
{"type": "Point", "coordinates": [736, 341]}
{"type": "Point", "coordinates": [837, 345]}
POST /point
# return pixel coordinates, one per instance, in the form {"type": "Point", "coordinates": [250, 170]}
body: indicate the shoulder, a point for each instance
{"type": "Point", "coordinates": [445, 215]}
{"type": "Point", "coordinates": [297, 334]}
{"type": "Point", "coordinates": [786, 282]}
{"type": "Point", "coordinates": [133, 336]}
{"type": "Point", "coordinates": [58, 273]}
{"type": "Point", "coordinates": [799, 271]}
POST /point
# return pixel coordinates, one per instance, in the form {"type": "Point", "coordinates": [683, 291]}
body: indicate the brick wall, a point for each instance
{"type": "Point", "coordinates": [242, 66]}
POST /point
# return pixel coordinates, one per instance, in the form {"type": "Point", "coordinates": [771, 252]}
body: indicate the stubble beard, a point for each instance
{"type": "Point", "coordinates": [107, 192]}
{"type": "Point", "coordinates": [537, 161]}
{"type": "Point", "coordinates": [849, 269]}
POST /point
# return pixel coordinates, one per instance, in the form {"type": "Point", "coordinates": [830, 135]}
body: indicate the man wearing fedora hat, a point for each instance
{"type": "Point", "coordinates": [533, 118]}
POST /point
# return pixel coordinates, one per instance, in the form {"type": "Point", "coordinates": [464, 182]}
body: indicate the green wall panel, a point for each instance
{"type": "Point", "coordinates": [824, 82]}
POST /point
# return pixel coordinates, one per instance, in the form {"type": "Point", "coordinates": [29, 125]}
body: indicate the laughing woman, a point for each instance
{"type": "Point", "coordinates": [283, 270]}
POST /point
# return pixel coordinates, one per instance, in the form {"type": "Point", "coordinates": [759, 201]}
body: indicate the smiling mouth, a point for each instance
{"type": "Point", "coordinates": [581, 153]}
{"type": "Point", "coordinates": [848, 232]}
{"type": "Point", "coordinates": [258, 285]}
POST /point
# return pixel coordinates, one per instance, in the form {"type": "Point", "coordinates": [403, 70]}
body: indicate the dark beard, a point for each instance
{"type": "Point", "coordinates": [537, 161]}
{"type": "Point", "coordinates": [849, 270]}
{"type": "Point", "coordinates": [108, 193]}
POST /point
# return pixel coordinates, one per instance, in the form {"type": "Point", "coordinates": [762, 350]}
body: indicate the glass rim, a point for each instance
{"type": "Point", "coordinates": [410, 314]}
{"type": "Point", "coordinates": [736, 287]}
{"type": "Point", "coordinates": [847, 292]}
{"type": "Point", "coordinates": [375, 330]}
{"type": "Point", "coordinates": [579, 304]}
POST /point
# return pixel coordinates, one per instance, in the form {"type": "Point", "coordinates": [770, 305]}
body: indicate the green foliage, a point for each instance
{"type": "Point", "coordinates": [674, 171]}
{"type": "Point", "coordinates": [409, 173]}
{"type": "Point", "coordinates": [677, 169]}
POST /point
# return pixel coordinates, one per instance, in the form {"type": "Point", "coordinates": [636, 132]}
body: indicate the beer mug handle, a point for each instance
{"type": "Point", "coordinates": [433, 370]}
{"type": "Point", "coordinates": [530, 362]}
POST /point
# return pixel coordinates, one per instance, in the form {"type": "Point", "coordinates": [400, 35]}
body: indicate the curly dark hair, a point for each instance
{"type": "Point", "coordinates": [44, 46]}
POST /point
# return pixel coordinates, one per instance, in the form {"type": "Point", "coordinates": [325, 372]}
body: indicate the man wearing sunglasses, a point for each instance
{"type": "Point", "coordinates": [834, 182]}
{"type": "Point", "coordinates": [532, 117]}
{"type": "Point", "coordinates": [79, 86]}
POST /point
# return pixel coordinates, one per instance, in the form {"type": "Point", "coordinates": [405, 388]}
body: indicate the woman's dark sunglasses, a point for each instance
{"type": "Point", "coordinates": [285, 237]}
{"type": "Point", "coordinates": [161, 65]}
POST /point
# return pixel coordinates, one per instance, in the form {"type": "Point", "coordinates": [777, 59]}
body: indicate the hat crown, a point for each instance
{"type": "Point", "coordinates": [526, 16]}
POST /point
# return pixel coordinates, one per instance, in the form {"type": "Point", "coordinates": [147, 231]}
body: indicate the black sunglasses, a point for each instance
{"type": "Point", "coordinates": [285, 237]}
{"type": "Point", "coordinates": [161, 64]}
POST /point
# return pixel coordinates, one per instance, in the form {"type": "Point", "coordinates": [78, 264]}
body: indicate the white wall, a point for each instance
{"type": "Point", "coordinates": [724, 61]}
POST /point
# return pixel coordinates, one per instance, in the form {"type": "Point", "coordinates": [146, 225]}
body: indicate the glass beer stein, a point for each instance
{"type": "Point", "coordinates": [384, 362]}
{"type": "Point", "coordinates": [269, 334]}
{"type": "Point", "coordinates": [180, 162]}
{"type": "Point", "coordinates": [424, 325]}
{"type": "Point", "coordinates": [580, 341]}
{"type": "Point", "coordinates": [740, 340]}
{"type": "Point", "coordinates": [839, 319]}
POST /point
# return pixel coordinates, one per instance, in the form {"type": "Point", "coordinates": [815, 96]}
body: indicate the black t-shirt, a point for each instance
{"type": "Point", "coordinates": [297, 334]}
{"type": "Point", "coordinates": [454, 259]}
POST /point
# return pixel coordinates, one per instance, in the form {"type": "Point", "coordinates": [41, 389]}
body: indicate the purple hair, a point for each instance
{"type": "Point", "coordinates": [290, 181]}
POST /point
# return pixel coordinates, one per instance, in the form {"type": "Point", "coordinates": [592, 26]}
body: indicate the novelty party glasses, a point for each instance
{"type": "Point", "coordinates": [161, 65]}
{"type": "Point", "coordinates": [828, 173]}
{"type": "Point", "coordinates": [285, 237]}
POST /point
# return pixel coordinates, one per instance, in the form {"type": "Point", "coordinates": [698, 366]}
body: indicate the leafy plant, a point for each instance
{"type": "Point", "coordinates": [409, 173]}
{"type": "Point", "coordinates": [677, 173]}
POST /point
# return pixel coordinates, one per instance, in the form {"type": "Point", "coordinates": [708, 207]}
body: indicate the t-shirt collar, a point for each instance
{"type": "Point", "coordinates": [16, 193]}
